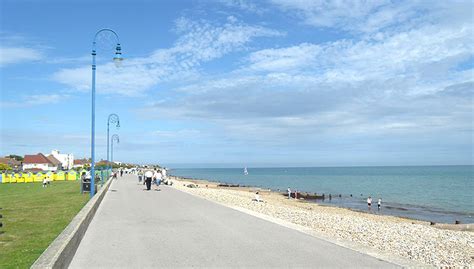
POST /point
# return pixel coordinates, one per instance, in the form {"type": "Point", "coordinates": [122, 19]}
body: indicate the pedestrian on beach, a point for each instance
{"type": "Point", "coordinates": [369, 202]}
{"type": "Point", "coordinates": [379, 204]}
{"type": "Point", "coordinates": [148, 178]}
{"type": "Point", "coordinates": [121, 172]}
{"type": "Point", "coordinates": [289, 193]}
{"type": "Point", "coordinates": [257, 197]}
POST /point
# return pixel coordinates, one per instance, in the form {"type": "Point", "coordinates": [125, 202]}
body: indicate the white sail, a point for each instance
{"type": "Point", "coordinates": [245, 171]}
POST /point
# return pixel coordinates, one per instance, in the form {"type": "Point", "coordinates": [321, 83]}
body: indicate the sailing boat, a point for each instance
{"type": "Point", "coordinates": [245, 171]}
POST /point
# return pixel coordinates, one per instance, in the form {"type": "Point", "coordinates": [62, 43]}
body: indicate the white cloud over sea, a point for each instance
{"type": "Point", "coordinates": [406, 81]}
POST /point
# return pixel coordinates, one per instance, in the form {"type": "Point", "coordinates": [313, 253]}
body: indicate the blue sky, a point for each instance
{"type": "Point", "coordinates": [243, 83]}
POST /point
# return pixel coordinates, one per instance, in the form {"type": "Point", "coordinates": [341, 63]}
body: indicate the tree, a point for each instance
{"type": "Point", "coordinates": [5, 167]}
{"type": "Point", "coordinates": [16, 157]}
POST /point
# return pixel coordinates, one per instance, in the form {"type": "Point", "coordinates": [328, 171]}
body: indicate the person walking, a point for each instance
{"type": "Point", "coordinates": [121, 172]}
{"type": "Point", "coordinates": [148, 178]}
{"type": "Point", "coordinates": [163, 176]}
{"type": "Point", "coordinates": [157, 179]}
{"type": "Point", "coordinates": [369, 202]}
{"type": "Point", "coordinates": [289, 193]}
{"type": "Point", "coordinates": [140, 177]}
{"type": "Point", "coordinates": [379, 204]}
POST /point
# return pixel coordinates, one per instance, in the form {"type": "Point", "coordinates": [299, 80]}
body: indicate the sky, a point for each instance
{"type": "Point", "coordinates": [233, 83]}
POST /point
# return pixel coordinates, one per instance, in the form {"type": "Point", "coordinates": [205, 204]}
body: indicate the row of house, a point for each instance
{"type": "Point", "coordinates": [40, 162]}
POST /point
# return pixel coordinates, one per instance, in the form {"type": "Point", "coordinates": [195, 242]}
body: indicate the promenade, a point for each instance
{"type": "Point", "coordinates": [134, 228]}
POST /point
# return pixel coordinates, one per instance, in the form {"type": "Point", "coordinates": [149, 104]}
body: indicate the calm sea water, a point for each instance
{"type": "Point", "coordinates": [433, 193]}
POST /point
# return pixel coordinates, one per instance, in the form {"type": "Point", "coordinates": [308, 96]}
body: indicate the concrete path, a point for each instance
{"type": "Point", "coordinates": [134, 228]}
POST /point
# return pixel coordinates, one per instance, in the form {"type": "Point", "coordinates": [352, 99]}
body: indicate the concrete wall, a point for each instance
{"type": "Point", "coordinates": [60, 252]}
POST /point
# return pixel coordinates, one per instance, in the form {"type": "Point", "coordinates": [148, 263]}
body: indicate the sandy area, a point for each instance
{"type": "Point", "coordinates": [409, 239]}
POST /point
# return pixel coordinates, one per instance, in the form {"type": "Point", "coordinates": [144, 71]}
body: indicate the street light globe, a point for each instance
{"type": "Point", "coordinates": [118, 56]}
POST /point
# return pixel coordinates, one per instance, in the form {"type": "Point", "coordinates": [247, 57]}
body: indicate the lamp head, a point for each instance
{"type": "Point", "coordinates": [118, 56]}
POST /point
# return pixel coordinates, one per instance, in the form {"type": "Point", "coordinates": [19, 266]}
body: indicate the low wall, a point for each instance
{"type": "Point", "coordinates": [60, 252]}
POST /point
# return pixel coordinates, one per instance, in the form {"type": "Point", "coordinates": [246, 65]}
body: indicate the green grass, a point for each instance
{"type": "Point", "coordinates": [33, 217]}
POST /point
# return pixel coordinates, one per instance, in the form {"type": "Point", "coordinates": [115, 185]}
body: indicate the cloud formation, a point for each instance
{"type": "Point", "coordinates": [199, 42]}
{"type": "Point", "coordinates": [389, 79]}
{"type": "Point", "coordinates": [35, 100]}
{"type": "Point", "coordinates": [397, 82]}
{"type": "Point", "coordinates": [14, 55]}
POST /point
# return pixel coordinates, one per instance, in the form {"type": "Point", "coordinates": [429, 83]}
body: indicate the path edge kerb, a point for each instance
{"type": "Point", "coordinates": [60, 252]}
{"type": "Point", "coordinates": [385, 256]}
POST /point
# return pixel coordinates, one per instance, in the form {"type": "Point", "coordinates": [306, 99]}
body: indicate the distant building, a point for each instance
{"type": "Point", "coordinates": [39, 161]}
{"type": "Point", "coordinates": [14, 164]}
{"type": "Point", "coordinates": [79, 163]}
{"type": "Point", "coordinates": [67, 160]}
{"type": "Point", "coordinates": [55, 161]}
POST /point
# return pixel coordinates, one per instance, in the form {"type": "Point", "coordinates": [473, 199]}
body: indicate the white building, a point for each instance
{"type": "Point", "coordinates": [67, 160]}
{"type": "Point", "coordinates": [40, 162]}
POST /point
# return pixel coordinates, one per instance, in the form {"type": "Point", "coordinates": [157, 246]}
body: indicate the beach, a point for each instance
{"type": "Point", "coordinates": [439, 246]}
{"type": "Point", "coordinates": [402, 189]}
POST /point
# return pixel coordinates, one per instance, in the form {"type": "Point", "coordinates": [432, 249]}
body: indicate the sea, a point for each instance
{"type": "Point", "coordinates": [442, 194]}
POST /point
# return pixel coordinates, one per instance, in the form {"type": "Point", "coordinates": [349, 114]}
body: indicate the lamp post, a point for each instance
{"type": "Point", "coordinates": [114, 119]}
{"type": "Point", "coordinates": [117, 59]}
{"type": "Point", "coordinates": [115, 138]}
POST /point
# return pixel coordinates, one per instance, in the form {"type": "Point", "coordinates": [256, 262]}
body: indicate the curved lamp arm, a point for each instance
{"type": "Point", "coordinates": [114, 119]}
{"type": "Point", "coordinates": [118, 49]}
{"type": "Point", "coordinates": [115, 138]}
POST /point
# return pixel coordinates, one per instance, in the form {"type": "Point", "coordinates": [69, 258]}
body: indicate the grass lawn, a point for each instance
{"type": "Point", "coordinates": [33, 217]}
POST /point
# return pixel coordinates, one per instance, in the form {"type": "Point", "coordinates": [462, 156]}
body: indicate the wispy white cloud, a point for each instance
{"type": "Point", "coordinates": [177, 134]}
{"type": "Point", "coordinates": [348, 15]}
{"type": "Point", "coordinates": [35, 100]}
{"type": "Point", "coordinates": [371, 16]}
{"type": "Point", "coordinates": [245, 5]}
{"type": "Point", "coordinates": [199, 42]}
{"type": "Point", "coordinates": [383, 56]}
{"type": "Point", "coordinates": [15, 55]}
{"type": "Point", "coordinates": [68, 60]}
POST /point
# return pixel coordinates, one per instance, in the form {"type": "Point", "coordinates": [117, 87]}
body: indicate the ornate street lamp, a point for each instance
{"type": "Point", "coordinates": [113, 119]}
{"type": "Point", "coordinates": [115, 138]}
{"type": "Point", "coordinates": [118, 60]}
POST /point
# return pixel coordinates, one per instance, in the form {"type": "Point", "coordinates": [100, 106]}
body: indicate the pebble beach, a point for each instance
{"type": "Point", "coordinates": [414, 240]}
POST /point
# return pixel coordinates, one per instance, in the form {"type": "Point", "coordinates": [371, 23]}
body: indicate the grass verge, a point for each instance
{"type": "Point", "coordinates": [33, 217]}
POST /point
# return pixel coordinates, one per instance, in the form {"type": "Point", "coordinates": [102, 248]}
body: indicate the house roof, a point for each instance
{"type": "Point", "coordinates": [81, 161]}
{"type": "Point", "coordinates": [38, 158]}
{"type": "Point", "coordinates": [53, 160]}
{"type": "Point", "coordinates": [9, 161]}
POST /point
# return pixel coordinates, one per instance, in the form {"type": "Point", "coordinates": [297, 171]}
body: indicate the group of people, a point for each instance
{"type": "Point", "coordinates": [156, 176]}
{"type": "Point", "coordinates": [369, 200]}
{"type": "Point", "coordinates": [115, 173]}
{"type": "Point", "coordinates": [369, 203]}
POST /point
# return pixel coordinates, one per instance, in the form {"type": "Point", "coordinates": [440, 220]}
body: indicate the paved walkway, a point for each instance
{"type": "Point", "coordinates": [134, 228]}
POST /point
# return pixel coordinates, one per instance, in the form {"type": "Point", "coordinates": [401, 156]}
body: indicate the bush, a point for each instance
{"type": "Point", "coordinates": [4, 167]}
